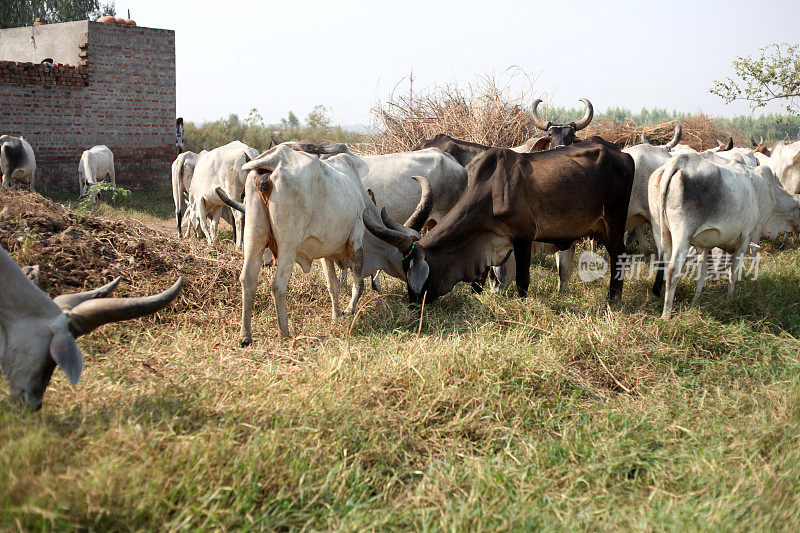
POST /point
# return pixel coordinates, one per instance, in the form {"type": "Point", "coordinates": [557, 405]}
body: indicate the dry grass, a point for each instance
{"type": "Point", "coordinates": [550, 412]}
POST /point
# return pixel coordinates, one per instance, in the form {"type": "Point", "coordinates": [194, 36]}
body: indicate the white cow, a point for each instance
{"type": "Point", "coordinates": [17, 162]}
{"type": "Point", "coordinates": [389, 178]}
{"type": "Point", "coordinates": [37, 333]}
{"type": "Point", "coordinates": [303, 209]}
{"type": "Point", "coordinates": [96, 163]}
{"type": "Point", "coordinates": [220, 167]}
{"type": "Point", "coordinates": [697, 202]}
{"type": "Point", "coordinates": [182, 172]}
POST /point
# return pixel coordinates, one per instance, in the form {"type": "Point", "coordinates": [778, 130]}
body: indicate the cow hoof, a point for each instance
{"type": "Point", "coordinates": [244, 343]}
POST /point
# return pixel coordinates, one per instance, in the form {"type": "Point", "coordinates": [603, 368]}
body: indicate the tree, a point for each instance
{"type": "Point", "coordinates": [254, 118]}
{"type": "Point", "coordinates": [15, 13]}
{"type": "Point", "coordinates": [291, 121]}
{"type": "Point", "coordinates": [317, 118]}
{"type": "Point", "coordinates": [772, 76]}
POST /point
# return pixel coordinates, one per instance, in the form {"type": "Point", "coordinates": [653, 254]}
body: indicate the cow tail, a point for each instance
{"type": "Point", "coordinates": [665, 178]}
{"type": "Point", "coordinates": [177, 193]}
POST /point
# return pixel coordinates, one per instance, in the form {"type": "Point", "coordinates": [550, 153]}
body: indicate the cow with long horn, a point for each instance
{"type": "Point", "coordinates": [560, 134]}
{"type": "Point", "coordinates": [305, 208]}
{"type": "Point", "coordinates": [37, 333]}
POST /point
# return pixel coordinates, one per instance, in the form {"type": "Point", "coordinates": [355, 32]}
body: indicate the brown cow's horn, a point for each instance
{"type": "Point", "coordinates": [391, 223]}
{"type": "Point", "coordinates": [761, 141]}
{"type": "Point", "coordinates": [397, 239]}
{"type": "Point", "coordinates": [587, 117]}
{"type": "Point", "coordinates": [92, 314]}
{"type": "Point", "coordinates": [728, 145]}
{"type": "Point", "coordinates": [537, 120]}
{"type": "Point", "coordinates": [753, 142]}
{"type": "Point", "coordinates": [423, 210]}
{"type": "Point", "coordinates": [675, 138]}
{"type": "Point", "coordinates": [67, 301]}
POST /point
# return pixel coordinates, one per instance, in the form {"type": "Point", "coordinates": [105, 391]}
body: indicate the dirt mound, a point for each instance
{"type": "Point", "coordinates": [80, 251]}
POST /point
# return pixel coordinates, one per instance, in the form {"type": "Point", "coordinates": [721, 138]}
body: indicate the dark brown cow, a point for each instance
{"type": "Point", "coordinates": [512, 199]}
{"type": "Point", "coordinates": [463, 151]}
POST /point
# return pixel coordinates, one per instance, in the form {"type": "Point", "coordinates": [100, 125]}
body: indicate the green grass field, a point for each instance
{"type": "Point", "coordinates": [486, 412]}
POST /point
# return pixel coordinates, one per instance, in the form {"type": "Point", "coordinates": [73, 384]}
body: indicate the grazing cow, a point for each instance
{"type": "Point", "coordinates": [698, 202]}
{"type": "Point", "coordinates": [37, 333]}
{"type": "Point", "coordinates": [559, 134]}
{"type": "Point", "coordinates": [220, 167]}
{"type": "Point", "coordinates": [302, 208]}
{"type": "Point", "coordinates": [96, 163]}
{"type": "Point", "coordinates": [17, 162]}
{"type": "Point", "coordinates": [556, 197]}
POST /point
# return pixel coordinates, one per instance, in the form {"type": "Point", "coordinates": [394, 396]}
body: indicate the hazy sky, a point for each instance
{"type": "Point", "coordinates": [233, 55]}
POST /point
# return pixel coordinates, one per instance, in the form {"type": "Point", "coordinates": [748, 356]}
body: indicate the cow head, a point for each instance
{"type": "Point", "coordinates": [760, 147]}
{"type": "Point", "coordinates": [48, 340]}
{"type": "Point", "coordinates": [559, 134]}
{"type": "Point", "coordinates": [725, 146]}
{"type": "Point", "coordinates": [404, 238]}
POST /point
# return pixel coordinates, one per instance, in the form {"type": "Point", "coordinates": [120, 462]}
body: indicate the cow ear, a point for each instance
{"type": "Point", "coordinates": [65, 352]}
{"type": "Point", "coordinates": [541, 144]}
{"type": "Point", "coordinates": [418, 271]}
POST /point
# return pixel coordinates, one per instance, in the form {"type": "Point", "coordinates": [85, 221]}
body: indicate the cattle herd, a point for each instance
{"type": "Point", "coordinates": [448, 211]}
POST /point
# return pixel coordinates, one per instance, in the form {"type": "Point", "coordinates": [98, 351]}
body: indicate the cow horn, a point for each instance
{"type": "Point", "coordinates": [643, 139]}
{"type": "Point", "coordinates": [67, 301]}
{"type": "Point", "coordinates": [399, 240]}
{"type": "Point", "coordinates": [372, 196]}
{"type": "Point", "coordinates": [587, 116]}
{"type": "Point", "coordinates": [233, 204]}
{"type": "Point", "coordinates": [761, 141]}
{"type": "Point", "coordinates": [753, 142]}
{"type": "Point", "coordinates": [92, 314]}
{"type": "Point", "coordinates": [423, 210]}
{"type": "Point", "coordinates": [728, 145]}
{"type": "Point", "coordinates": [537, 120]}
{"type": "Point", "coordinates": [675, 138]}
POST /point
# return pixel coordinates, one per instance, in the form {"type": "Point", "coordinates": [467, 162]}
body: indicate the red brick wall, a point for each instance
{"type": "Point", "coordinates": [126, 100]}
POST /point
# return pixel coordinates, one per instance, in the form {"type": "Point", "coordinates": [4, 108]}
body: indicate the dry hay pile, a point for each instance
{"type": "Point", "coordinates": [79, 251]}
{"type": "Point", "coordinates": [483, 113]}
{"type": "Point", "coordinates": [700, 131]}
{"type": "Point", "coordinates": [486, 113]}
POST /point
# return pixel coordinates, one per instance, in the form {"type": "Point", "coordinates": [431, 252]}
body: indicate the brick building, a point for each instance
{"type": "Point", "coordinates": [110, 84]}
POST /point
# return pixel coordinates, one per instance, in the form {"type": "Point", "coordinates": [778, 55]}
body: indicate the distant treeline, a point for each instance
{"type": "Point", "coordinates": [772, 127]}
{"type": "Point", "coordinates": [317, 127]}
{"type": "Point", "coordinates": [254, 132]}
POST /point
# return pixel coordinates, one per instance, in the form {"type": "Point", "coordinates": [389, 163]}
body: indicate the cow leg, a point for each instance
{"type": "Point", "coordinates": [358, 280]}
{"type": "Point", "coordinates": [343, 277]}
{"type": "Point", "coordinates": [238, 224]}
{"type": "Point", "coordinates": [477, 283]}
{"type": "Point", "coordinates": [673, 273]}
{"type": "Point", "coordinates": [280, 282]}
{"type": "Point", "coordinates": [202, 215]}
{"type": "Point", "coordinates": [249, 281]}
{"type": "Point", "coordinates": [6, 181]}
{"type": "Point", "coordinates": [522, 252]}
{"type": "Point", "coordinates": [736, 267]}
{"type": "Point", "coordinates": [663, 252]}
{"type": "Point", "coordinates": [564, 263]}
{"type": "Point", "coordinates": [376, 282]}
{"type": "Point", "coordinates": [702, 274]}
{"type": "Point", "coordinates": [215, 216]}
{"type": "Point", "coordinates": [333, 286]}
